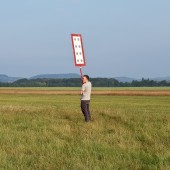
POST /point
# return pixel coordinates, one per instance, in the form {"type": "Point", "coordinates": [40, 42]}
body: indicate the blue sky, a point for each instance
{"type": "Point", "coordinates": [121, 38]}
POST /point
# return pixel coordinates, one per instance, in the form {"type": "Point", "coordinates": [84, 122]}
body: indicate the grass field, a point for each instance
{"type": "Point", "coordinates": [40, 131]}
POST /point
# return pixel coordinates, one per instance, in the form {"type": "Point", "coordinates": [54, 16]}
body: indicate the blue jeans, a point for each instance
{"type": "Point", "coordinates": [85, 109]}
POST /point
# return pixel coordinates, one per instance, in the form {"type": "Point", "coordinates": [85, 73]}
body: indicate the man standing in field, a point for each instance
{"type": "Point", "coordinates": [85, 97]}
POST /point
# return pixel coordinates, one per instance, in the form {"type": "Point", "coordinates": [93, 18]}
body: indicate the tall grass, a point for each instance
{"type": "Point", "coordinates": [49, 132]}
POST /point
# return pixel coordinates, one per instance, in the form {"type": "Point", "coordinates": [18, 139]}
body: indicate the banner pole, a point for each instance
{"type": "Point", "coordinates": [81, 74]}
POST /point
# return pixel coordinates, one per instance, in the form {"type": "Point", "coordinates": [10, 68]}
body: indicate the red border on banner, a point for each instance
{"type": "Point", "coordinates": [79, 35]}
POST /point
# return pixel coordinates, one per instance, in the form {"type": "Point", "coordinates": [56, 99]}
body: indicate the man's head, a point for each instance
{"type": "Point", "coordinates": [85, 78]}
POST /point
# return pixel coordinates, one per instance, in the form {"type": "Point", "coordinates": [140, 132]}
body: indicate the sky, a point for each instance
{"type": "Point", "coordinates": [120, 38]}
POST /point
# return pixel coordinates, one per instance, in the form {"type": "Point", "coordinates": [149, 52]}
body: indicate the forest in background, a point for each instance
{"type": "Point", "coordinates": [76, 82]}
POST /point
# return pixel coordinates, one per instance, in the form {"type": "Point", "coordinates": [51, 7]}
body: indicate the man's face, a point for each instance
{"type": "Point", "coordinates": [84, 80]}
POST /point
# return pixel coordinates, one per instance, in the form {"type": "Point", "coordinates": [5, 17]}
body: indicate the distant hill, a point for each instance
{"type": "Point", "coordinates": [161, 78]}
{"type": "Point", "coordinates": [124, 79]}
{"type": "Point", "coordinates": [129, 80]}
{"type": "Point", "coordinates": [5, 79]}
{"type": "Point", "coordinates": [56, 76]}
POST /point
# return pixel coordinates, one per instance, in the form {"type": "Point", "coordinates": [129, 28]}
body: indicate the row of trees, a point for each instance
{"type": "Point", "coordinates": [76, 82]}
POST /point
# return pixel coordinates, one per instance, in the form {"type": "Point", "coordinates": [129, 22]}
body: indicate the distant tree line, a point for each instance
{"type": "Point", "coordinates": [76, 82]}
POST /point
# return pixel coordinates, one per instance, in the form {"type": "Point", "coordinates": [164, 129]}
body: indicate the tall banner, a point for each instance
{"type": "Point", "coordinates": [78, 50]}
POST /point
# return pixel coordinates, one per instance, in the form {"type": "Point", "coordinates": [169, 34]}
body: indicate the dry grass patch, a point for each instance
{"type": "Point", "coordinates": [96, 91]}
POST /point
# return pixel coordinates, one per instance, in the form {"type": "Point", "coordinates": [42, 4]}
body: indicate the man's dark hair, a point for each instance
{"type": "Point", "coordinates": [87, 77]}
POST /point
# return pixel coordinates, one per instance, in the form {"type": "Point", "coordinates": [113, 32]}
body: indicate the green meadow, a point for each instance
{"type": "Point", "coordinates": [48, 132]}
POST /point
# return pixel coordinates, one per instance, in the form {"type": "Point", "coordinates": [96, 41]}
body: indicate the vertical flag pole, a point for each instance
{"type": "Point", "coordinates": [81, 74]}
